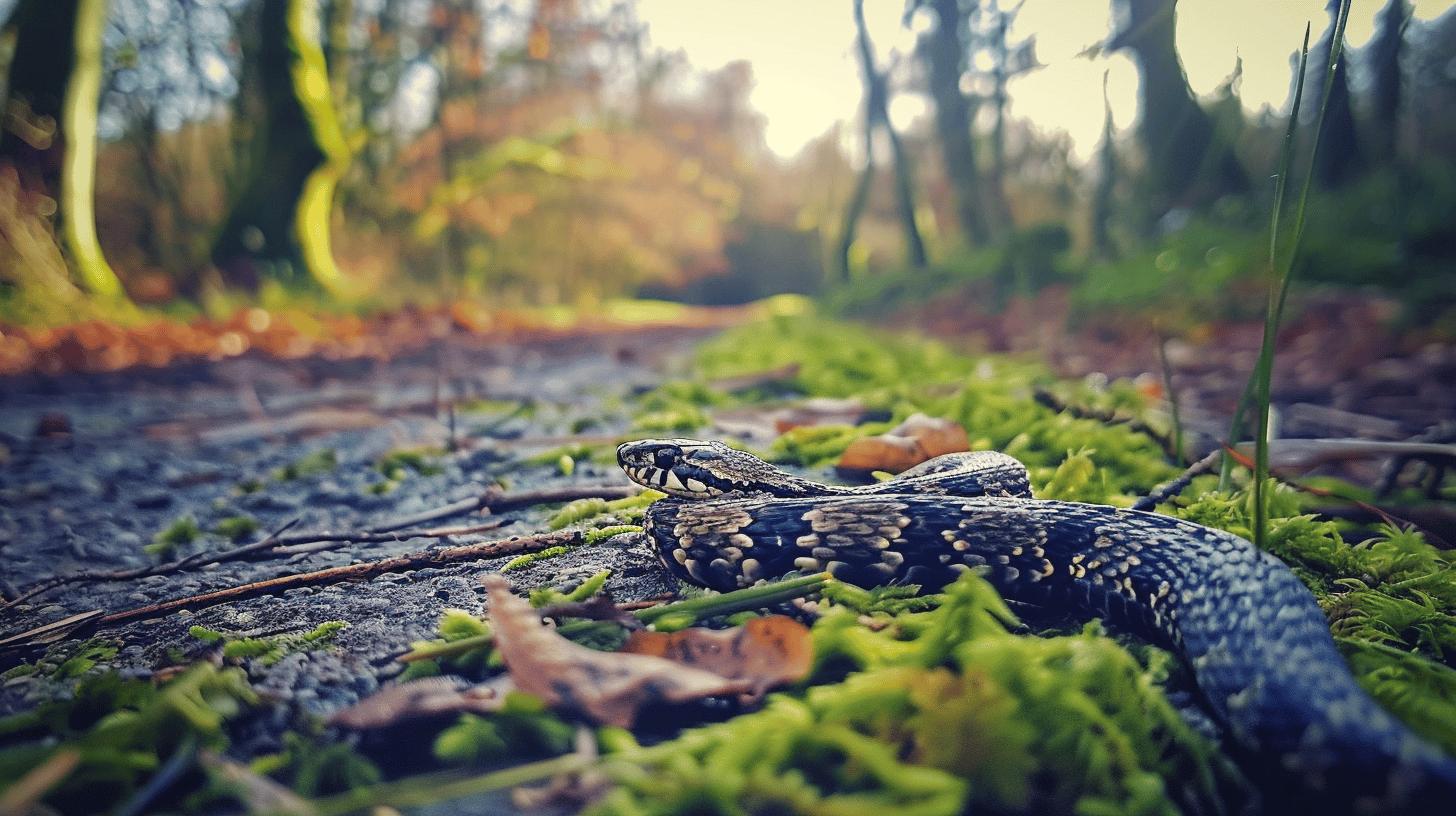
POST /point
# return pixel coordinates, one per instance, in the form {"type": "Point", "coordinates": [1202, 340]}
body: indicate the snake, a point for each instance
{"type": "Point", "coordinates": [1257, 644]}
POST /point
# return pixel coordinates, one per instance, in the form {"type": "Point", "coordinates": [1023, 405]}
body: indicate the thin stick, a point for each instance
{"type": "Point", "coordinates": [194, 560]}
{"type": "Point", "coordinates": [351, 572]}
{"type": "Point", "coordinates": [1056, 403]}
{"type": "Point", "coordinates": [492, 499]}
{"type": "Point", "coordinates": [1172, 489]}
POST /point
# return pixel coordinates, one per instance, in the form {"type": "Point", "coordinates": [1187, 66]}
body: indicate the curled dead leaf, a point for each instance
{"type": "Point", "coordinates": [765, 652]}
{"type": "Point", "coordinates": [605, 687]}
{"type": "Point", "coordinates": [420, 699]}
{"type": "Point", "coordinates": [913, 441]}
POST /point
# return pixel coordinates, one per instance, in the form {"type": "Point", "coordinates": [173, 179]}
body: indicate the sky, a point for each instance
{"type": "Point", "coordinates": [807, 77]}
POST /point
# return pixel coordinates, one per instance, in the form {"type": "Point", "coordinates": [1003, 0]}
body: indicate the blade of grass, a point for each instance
{"type": "Point", "coordinates": [1279, 286]}
{"type": "Point", "coordinates": [1178, 458]}
{"type": "Point", "coordinates": [1281, 178]}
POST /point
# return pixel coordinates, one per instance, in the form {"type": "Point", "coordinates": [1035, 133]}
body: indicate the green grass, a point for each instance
{"type": "Point", "coordinates": [1281, 266]}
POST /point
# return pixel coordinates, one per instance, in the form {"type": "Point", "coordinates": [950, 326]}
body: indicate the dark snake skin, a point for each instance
{"type": "Point", "coordinates": [1258, 645]}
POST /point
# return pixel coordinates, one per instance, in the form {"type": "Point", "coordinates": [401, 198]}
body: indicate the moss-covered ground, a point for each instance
{"type": "Point", "coordinates": [927, 705]}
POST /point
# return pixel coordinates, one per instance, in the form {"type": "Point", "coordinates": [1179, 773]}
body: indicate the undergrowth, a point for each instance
{"type": "Point", "coordinates": [942, 712]}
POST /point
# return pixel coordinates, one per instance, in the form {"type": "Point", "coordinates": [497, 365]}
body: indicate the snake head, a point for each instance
{"type": "Point", "coordinates": [684, 468]}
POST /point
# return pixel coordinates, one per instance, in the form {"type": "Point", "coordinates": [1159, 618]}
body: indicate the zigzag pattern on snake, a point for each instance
{"type": "Point", "coordinates": [1256, 642]}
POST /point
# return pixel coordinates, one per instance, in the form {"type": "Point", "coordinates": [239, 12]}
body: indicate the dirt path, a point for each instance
{"type": "Point", "coordinates": [94, 466]}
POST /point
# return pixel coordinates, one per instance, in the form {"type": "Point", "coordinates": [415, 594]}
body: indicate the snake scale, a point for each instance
{"type": "Point", "coordinates": [1257, 644]}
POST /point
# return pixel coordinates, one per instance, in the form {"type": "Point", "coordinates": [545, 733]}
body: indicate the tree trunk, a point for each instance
{"type": "Point", "coordinates": [877, 112]}
{"type": "Point", "coordinates": [55, 81]}
{"type": "Point", "coordinates": [945, 55]}
{"type": "Point", "coordinates": [1102, 204]}
{"type": "Point", "coordinates": [1187, 165]}
{"type": "Point", "coordinates": [1384, 58]}
{"type": "Point", "coordinates": [1339, 158]}
{"type": "Point", "coordinates": [857, 203]}
{"type": "Point", "coordinates": [299, 152]}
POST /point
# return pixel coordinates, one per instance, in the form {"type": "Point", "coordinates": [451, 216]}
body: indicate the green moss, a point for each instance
{"type": "Point", "coordinates": [123, 730]}
{"type": "Point", "coordinates": [992, 397]}
{"type": "Point", "coordinates": [546, 596]}
{"type": "Point", "coordinates": [236, 528]}
{"type": "Point", "coordinates": [522, 728]}
{"type": "Point", "coordinates": [321, 461]}
{"type": "Point", "coordinates": [399, 463]}
{"type": "Point", "coordinates": [463, 646]}
{"type": "Point", "coordinates": [313, 767]}
{"type": "Point", "coordinates": [629, 510]}
{"type": "Point", "coordinates": [268, 650]}
{"type": "Point", "coordinates": [946, 712]}
{"type": "Point", "coordinates": [1391, 601]}
{"type": "Point", "coordinates": [180, 532]}
{"type": "Point", "coordinates": [531, 558]}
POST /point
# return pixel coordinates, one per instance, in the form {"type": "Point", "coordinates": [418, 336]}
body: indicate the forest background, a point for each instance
{"type": "Point", "coordinates": [199, 159]}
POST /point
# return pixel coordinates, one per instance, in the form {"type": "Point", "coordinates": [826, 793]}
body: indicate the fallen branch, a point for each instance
{"type": "Point", "coordinates": [352, 572]}
{"type": "Point", "coordinates": [1390, 474]}
{"type": "Point", "coordinates": [491, 500]}
{"type": "Point", "coordinates": [1384, 515]}
{"type": "Point", "coordinates": [1170, 490]}
{"type": "Point", "coordinates": [1056, 403]}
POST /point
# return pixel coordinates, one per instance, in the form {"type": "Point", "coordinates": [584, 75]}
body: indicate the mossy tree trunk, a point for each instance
{"type": "Point", "coordinates": [54, 89]}
{"type": "Point", "coordinates": [281, 217]}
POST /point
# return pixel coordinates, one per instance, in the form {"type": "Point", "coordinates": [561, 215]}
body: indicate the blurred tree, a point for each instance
{"type": "Point", "coordinates": [1431, 95]}
{"type": "Point", "coordinates": [1339, 158]}
{"type": "Point", "coordinates": [1102, 204]}
{"type": "Point", "coordinates": [945, 49]}
{"type": "Point", "coordinates": [1385, 93]}
{"type": "Point", "coordinates": [877, 115]}
{"type": "Point", "coordinates": [1187, 164]}
{"type": "Point", "coordinates": [282, 216]}
{"type": "Point", "coordinates": [50, 121]}
{"type": "Point", "coordinates": [1008, 61]}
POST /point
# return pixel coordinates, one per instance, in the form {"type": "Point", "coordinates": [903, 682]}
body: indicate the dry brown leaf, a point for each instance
{"type": "Point", "coordinates": [605, 687]}
{"type": "Point", "coordinates": [908, 444]}
{"type": "Point", "coordinates": [765, 652]}
{"type": "Point", "coordinates": [419, 699]}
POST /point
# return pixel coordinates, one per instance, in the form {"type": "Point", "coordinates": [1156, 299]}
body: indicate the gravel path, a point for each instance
{"type": "Point", "coordinates": [92, 467]}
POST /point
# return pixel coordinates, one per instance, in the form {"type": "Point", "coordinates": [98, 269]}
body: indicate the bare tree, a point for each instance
{"type": "Point", "coordinates": [877, 115]}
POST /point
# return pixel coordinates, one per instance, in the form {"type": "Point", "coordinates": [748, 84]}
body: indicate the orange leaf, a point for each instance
{"type": "Point", "coordinates": [766, 652]}
{"type": "Point", "coordinates": [604, 687]}
{"type": "Point", "coordinates": [913, 441]}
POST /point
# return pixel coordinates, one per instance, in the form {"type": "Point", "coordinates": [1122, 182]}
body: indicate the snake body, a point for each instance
{"type": "Point", "coordinates": [1258, 645]}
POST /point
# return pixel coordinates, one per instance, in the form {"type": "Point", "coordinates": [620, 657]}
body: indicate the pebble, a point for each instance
{"type": "Point", "coordinates": [152, 500]}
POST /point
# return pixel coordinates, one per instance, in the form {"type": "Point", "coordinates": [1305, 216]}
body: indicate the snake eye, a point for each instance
{"type": "Point", "coordinates": [664, 458]}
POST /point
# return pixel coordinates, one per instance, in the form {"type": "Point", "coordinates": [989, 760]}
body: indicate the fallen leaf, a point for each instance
{"type": "Point", "coordinates": [605, 687]}
{"type": "Point", "coordinates": [420, 699]}
{"type": "Point", "coordinates": [51, 632]}
{"type": "Point", "coordinates": [906, 445]}
{"type": "Point", "coordinates": [765, 652]}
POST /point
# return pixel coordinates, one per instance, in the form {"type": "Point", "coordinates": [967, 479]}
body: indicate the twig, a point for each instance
{"type": "Point", "coordinates": [25, 792]}
{"type": "Point", "coordinates": [492, 499]}
{"type": "Point", "coordinates": [1056, 403]}
{"type": "Point", "coordinates": [194, 560]}
{"type": "Point", "coordinates": [1382, 514]}
{"type": "Point", "coordinates": [1442, 432]}
{"type": "Point", "coordinates": [332, 575]}
{"type": "Point", "coordinates": [495, 500]}
{"type": "Point", "coordinates": [1171, 489]}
